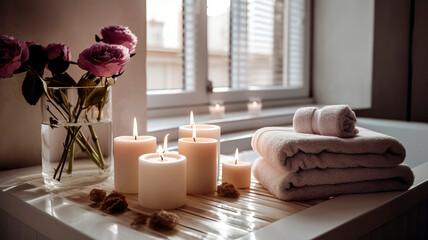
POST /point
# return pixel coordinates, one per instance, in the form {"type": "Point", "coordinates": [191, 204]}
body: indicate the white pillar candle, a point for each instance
{"type": "Point", "coordinates": [237, 172]}
{"type": "Point", "coordinates": [126, 153]}
{"type": "Point", "coordinates": [202, 167]}
{"type": "Point", "coordinates": [162, 183]}
{"type": "Point", "coordinates": [202, 130]}
{"type": "Point", "coordinates": [126, 150]}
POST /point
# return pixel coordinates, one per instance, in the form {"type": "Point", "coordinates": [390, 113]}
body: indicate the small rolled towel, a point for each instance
{"type": "Point", "coordinates": [324, 183]}
{"type": "Point", "coordinates": [333, 120]}
{"type": "Point", "coordinates": [284, 148]}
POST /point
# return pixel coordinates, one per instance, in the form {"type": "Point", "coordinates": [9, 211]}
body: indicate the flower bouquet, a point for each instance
{"type": "Point", "coordinates": [73, 112]}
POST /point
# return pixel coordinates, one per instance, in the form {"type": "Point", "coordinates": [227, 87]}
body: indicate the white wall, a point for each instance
{"type": "Point", "coordinates": [343, 51]}
{"type": "Point", "coordinates": [73, 22]}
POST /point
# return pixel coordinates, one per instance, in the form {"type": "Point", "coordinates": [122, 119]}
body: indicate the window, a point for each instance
{"type": "Point", "coordinates": [164, 45]}
{"type": "Point", "coordinates": [218, 30]}
{"type": "Point", "coordinates": [203, 50]}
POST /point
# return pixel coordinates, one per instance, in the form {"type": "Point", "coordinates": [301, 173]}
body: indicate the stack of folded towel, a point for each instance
{"type": "Point", "coordinates": [326, 155]}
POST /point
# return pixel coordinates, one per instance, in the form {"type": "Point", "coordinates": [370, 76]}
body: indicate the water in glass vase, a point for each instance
{"type": "Point", "coordinates": [77, 140]}
{"type": "Point", "coordinates": [88, 150]}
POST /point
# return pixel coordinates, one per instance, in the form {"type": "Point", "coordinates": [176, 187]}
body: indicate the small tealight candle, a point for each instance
{"type": "Point", "coordinates": [237, 172]}
{"type": "Point", "coordinates": [127, 149]}
{"type": "Point", "coordinates": [162, 179]}
{"type": "Point", "coordinates": [254, 106]}
{"type": "Point", "coordinates": [202, 167]}
{"type": "Point", "coordinates": [217, 110]}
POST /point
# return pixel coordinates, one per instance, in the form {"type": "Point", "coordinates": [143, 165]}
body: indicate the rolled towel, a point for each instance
{"type": "Point", "coordinates": [333, 120]}
{"type": "Point", "coordinates": [298, 151]}
{"type": "Point", "coordinates": [319, 183]}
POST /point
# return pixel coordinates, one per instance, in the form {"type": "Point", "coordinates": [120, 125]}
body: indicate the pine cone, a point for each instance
{"type": "Point", "coordinates": [115, 202]}
{"type": "Point", "coordinates": [164, 218]}
{"type": "Point", "coordinates": [97, 195]}
{"type": "Point", "coordinates": [227, 190]}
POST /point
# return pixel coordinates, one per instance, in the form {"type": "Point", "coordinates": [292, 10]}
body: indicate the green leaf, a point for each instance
{"type": "Point", "coordinates": [84, 80]}
{"type": "Point", "coordinates": [133, 54]}
{"type": "Point", "coordinates": [58, 95]}
{"type": "Point", "coordinates": [97, 39]}
{"type": "Point", "coordinates": [32, 88]}
{"type": "Point", "coordinates": [95, 97]}
{"type": "Point", "coordinates": [84, 92]}
{"type": "Point", "coordinates": [61, 80]}
{"type": "Point", "coordinates": [87, 82]}
{"type": "Point", "coordinates": [90, 96]}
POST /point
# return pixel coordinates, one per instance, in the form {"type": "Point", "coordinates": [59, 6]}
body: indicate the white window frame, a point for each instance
{"type": "Point", "coordinates": [199, 96]}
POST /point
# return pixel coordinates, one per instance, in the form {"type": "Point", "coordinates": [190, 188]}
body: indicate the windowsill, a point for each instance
{"type": "Point", "coordinates": [236, 126]}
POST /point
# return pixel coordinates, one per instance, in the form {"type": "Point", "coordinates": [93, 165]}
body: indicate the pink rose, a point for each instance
{"type": "Point", "coordinates": [12, 54]}
{"type": "Point", "coordinates": [119, 35]}
{"type": "Point", "coordinates": [55, 50]}
{"type": "Point", "coordinates": [104, 60]}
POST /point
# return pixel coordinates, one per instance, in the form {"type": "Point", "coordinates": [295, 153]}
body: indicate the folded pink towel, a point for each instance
{"type": "Point", "coordinates": [284, 148]}
{"type": "Point", "coordinates": [333, 120]}
{"type": "Point", "coordinates": [318, 183]}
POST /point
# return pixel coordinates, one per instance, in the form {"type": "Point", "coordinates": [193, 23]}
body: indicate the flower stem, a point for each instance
{"type": "Point", "coordinates": [64, 153]}
{"type": "Point", "coordinates": [88, 150]}
{"type": "Point", "coordinates": [71, 157]}
{"type": "Point", "coordinates": [97, 145]}
{"type": "Point", "coordinates": [67, 150]}
{"type": "Point", "coordinates": [74, 131]}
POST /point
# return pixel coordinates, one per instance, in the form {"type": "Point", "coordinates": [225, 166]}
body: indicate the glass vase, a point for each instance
{"type": "Point", "coordinates": [76, 135]}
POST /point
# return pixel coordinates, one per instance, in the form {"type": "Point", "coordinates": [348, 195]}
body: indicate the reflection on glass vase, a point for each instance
{"type": "Point", "coordinates": [76, 136]}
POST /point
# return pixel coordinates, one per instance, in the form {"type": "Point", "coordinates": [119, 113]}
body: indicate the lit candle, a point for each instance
{"type": "Point", "coordinates": [237, 172]}
{"type": "Point", "coordinates": [217, 111]}
{"type": "Point", "coordinates": [162, 179]}
{"type": "Point", "coordinates": [202, 130]}
{"type": "Point", "coordinates": [254, 106]}
{"type": "Point", "coordinates": [202, 163]}
{"type": "Point", "coordinates": [127, 149]}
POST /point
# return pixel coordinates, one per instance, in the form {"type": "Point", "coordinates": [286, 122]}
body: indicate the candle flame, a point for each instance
{"type": "Point", "coordinates": [165, 142]}
{"type": "Point", "coordinates": [135, 130]}
{"type": "Point", "coordinates": [254, 103]}
{"type": "Point", "coordinates": [236, 156]}
{"type": "Point", "coordinates": [194, 132]}
{"type": "Point", "coordinates": [192, 119]}
{"type": "Point", "coordinates": [217, 106]}
{"type": "Point", "coordinates": [160, 152]}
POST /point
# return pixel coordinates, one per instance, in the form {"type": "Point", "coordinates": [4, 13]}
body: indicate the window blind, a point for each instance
{"type": "Point", "coordinates": [260, 42]}
{"type": "Point", "coordinates": [262, 32]}
{"type": "Point", "coordinates": [238, 43]}
{"type": "Point", "coordinates": [295, 48]}
{"type": "Point", "coordinates": [189, 44]}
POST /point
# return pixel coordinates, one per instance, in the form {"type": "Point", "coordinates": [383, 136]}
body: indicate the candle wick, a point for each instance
{"type": "Point", "coordinates": [161, 158]}
{"type": "Point", "coordinates": [135, 137]}
{"type": "Point", "coordinates": [194, 139]}
{"type": "Point", "coordinates": [236, 161]}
